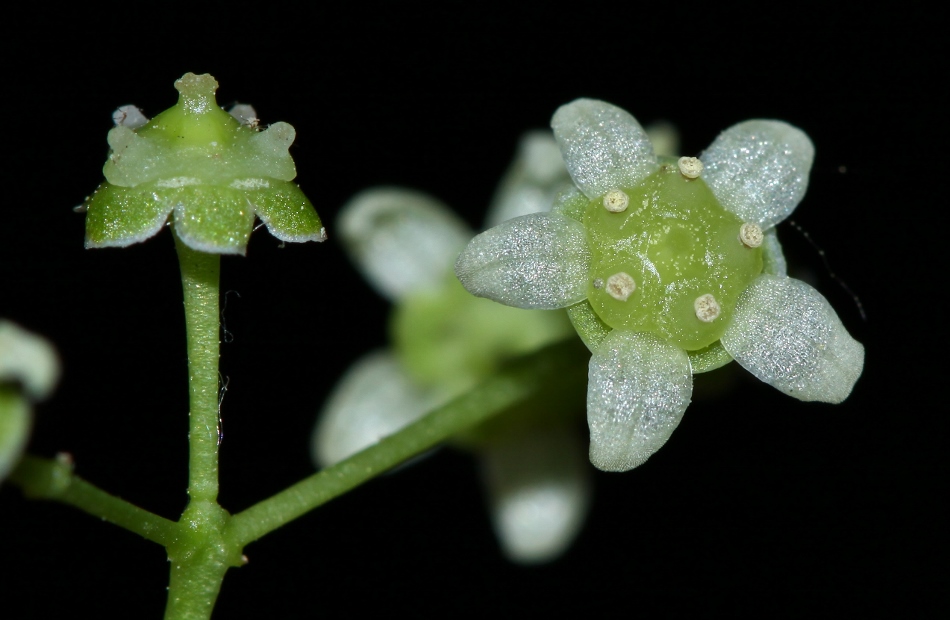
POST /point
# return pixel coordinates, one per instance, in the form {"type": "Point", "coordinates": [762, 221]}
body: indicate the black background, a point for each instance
{"type": "Point", "coordinates": [759, 503]}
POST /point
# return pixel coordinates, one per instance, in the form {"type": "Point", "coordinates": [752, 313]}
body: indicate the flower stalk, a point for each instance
{"type": "Point", "coordinates": [200, 275]}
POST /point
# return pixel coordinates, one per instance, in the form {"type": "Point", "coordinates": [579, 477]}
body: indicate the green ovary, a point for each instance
{"type": "Point", "coordinates": [677, 243]}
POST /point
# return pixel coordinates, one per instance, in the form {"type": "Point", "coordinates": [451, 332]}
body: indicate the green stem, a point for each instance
{"type": "Point", "coordinates": [54, 480]}
{"type": "Point", "coordinates": [199, 277]}
{"type": "Point", "coordinates": [547, 373]}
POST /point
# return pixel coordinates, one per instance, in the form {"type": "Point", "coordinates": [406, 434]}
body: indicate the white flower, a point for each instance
{"type": "Point", "coordinates": [669, 268]}
{"type": "Point", "coordinates": [445, 341]}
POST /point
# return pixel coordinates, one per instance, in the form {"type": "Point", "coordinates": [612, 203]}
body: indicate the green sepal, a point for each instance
{"type": "Point", "coordinates": [708, 358]}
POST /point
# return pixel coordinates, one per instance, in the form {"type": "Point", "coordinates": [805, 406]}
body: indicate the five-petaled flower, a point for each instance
{"type": "Point", "coordinates": [669, 268]}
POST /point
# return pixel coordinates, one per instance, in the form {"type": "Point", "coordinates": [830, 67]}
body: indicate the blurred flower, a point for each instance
{"type": "Point", "coordinates": [29, 369]}
{"type": "Point", "coordinates": [445, 341]}
{"type": "Point", "coordinates": [211, 171]}
{"type": "Point", "coordinates": [669, 268]}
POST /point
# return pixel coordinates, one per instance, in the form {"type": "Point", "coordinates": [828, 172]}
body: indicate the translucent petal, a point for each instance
{"type": "Point", "coordinates": [638, 388]}
{"type": "Point", "coordinates": [534, 261]}
{"type": "Point", "coordinates": [759, 169]}
{"type": "Point", "coordinates": [532, 180]}
{"type": "Point", "coordinates": [374, 399]}
{"type": "Point", "coordinates": [786, 334]}
{"type": "Point", "coordinates": [604, 147]}
{"type": "Point", "coordinates": [403, 241]}
{"type": "Point", "coordinates": [539, 492]}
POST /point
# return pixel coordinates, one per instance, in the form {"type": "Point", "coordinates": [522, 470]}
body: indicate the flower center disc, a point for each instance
{"type": "Point", "coordinates": [677, 244]}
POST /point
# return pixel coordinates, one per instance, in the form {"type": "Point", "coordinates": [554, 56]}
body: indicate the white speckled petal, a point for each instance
{"type": "Point", "coordinates": [638, 388]}
{"type": "Point", "coordinates": [604, 147]}
{"type": "Point", "coordinates": [374, 399]}
{"type": "Point", "coordinates": [534, 261]}
{"type": "Point", "coordinates": [539, 492]}
{"type": "Point", "coordinates": [403, 241]}
{"type": "Point", "coordinates": [787, 334]}
{"type": "Point", "coordinates": [759, 169]}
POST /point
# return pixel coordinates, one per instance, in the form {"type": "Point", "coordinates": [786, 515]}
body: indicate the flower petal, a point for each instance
{"type": "Point", "coordinates": [759, 169]}
{"type": "Point", "coordinates": [638, 388]}
{"type": "Point", "coordinates": [403, 241]}
{"type": "Point", "coordinates": [374, 399]}
{"type": "Point", "coordinates": [535, 261]}
{"type": "Point", "coordinates": [532, 180]}
{"type": "Point", "coordinates": [604, 147]}
{"type": "Point", "coordinates": [786, 334]}
{"type": "Point", "coordinates": [28, 360]}
{"type": "Point", "coordinates": [539, 492]}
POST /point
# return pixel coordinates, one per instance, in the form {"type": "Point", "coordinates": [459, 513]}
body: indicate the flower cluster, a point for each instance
{"type": "Point", "coordinates": [445, 341]}
{"type": "Point", "coordinates": [669, 267]}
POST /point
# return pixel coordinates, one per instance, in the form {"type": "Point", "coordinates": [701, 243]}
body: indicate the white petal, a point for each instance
{"type": "Point", "coordinates": [539, 491]}
{"type": "Point", "coordinates": [403, 241]}
{"type": "Point", "coordinates": [374, 399]}
{"type": "Point", "coordinates": [532, 180]}
{"type": "Point", "coordinates": [759, 169]}
{"type": "Point", "coordinates": [786, 334]}
{"type": "Point", "coordinates": [604, 147]}
{"type": "Point", "coordinates": [638, 388]}
{"type": "Point", "coordinates": [533, 261]}
{"type": "Point", "coordinates": [27, 359]}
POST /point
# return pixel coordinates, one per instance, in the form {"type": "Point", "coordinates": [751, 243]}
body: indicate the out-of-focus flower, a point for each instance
{"type": "Point", "coordinates": [445, 341]}
{"type": "Point", "coordinates": [209, 170]}
{"type": "Point", "coordinates": [29, 369]}
{"type": "Point", "coordinates": [669, 268]}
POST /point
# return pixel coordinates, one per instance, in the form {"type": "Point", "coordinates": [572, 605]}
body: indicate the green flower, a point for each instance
{"type": "Point", "coordinates": [211, 171]}
{"type": "Point", "coordinates": [669, 268]}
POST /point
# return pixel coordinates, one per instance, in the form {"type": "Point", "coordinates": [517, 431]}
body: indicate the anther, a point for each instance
{"type": "Point", "coordinates": [750, 234]}
{"type": "Point", "coordinates": [620, 286]}
{"type": "Point", "coordinates": [616, 201]}
{"type": "Point", "coordinates": [690, 167]}
{"type": "Point", "coordinates": [707, 308]}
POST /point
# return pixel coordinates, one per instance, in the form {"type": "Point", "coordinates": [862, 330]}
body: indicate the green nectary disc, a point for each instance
{"type": "Point", "coordinates": [656, 261]}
